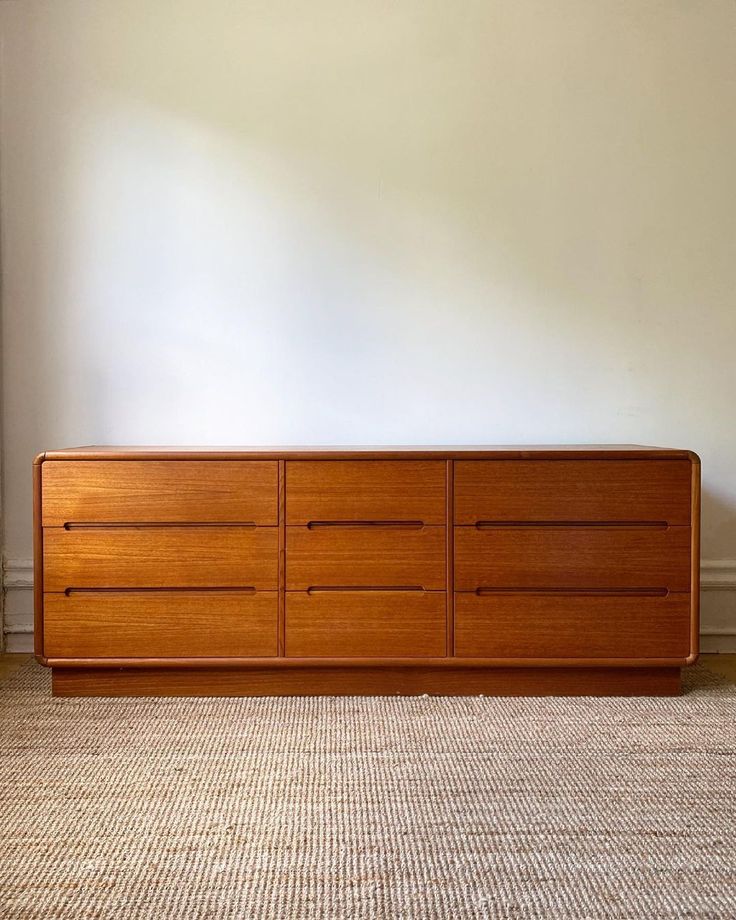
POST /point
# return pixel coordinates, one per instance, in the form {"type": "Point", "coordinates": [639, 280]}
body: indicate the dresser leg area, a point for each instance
{"type": "Point", "coordinates": [366, 681]}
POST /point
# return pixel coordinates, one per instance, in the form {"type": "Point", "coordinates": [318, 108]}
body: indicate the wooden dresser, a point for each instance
{"type": "Point", "coordinates": [499, 570]}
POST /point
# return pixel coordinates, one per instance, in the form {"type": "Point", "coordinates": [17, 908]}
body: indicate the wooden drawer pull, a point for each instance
{"type": "Point", "coordinates": [576, 592]}
{"type": "Point", "coordinates": [396, 525]}
{"type": "Point", "coordinates": [248, 589]}
{"type": "Point", "coordinates": [128, 525]}
{"type": "Point", "coordinates": [324, 589]}
{"type": "Point", "coordinates": [563, 525]}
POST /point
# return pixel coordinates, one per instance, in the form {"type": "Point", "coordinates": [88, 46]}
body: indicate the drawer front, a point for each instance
{"type": "Point", "coordinates": [573, 490]}
{"type": "Point", "coordinates": [572, 557]}
{"type": "Point", "coordinates": [365, 490]}
{"type": "Point", "coordinates": [160, 491]}
{"type": "Point", "coordinates": [366, 624]}
{"type": "Point", "coordinates": [157, 624]}
{"type": "Point", "coordinates": [160, 557]}
{"type": "Point", "coordinates": [365, 557]}
{"type": "Point", "coordinates": [555, 626]}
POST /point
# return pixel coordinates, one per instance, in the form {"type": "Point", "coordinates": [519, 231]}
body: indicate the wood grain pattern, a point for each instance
{"type": "Point", "coordinates": [366, 624]}
{"type": "Point", "coordinates": [365, 557]}
{"type": "Point", "coordinates": [38, 578]}
{"type": "Point", "coordinates": [695, 497]}
{"type": "Point", "coordinates": [572, 490]}
{"type": "Point", "coordinates": [169, 624]}
{"type": "Point", "coordinates": [450, 559]}
{"type": "Point", "coordinates": [365, 490]}
{"type": "Point", "coordinates": [282, 556]}
{"type": "Point", "coordinates": [367, 681]}
{"type": "Point", "coordinates": [155, 491]}
{"type": "Point", "coordinates": [572, 557]}
{"type": "Point", "coordinates": [286, 663]}
{"type": "Point", "coordinates": [368, 452]}
{"type": "Point", "coordinates": [558, 626]}
{"type": "Point", "coordinates": [161, 557]}
{"type": "Point", "coordinates": [531, 641]}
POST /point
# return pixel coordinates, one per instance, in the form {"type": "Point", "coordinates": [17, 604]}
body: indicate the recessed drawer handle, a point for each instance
{"type": "Point", "coordinates": [325, 589]}
{"type": "Point", "coordinates": [396, 525]}
{"type": "Point", "coordinates": [138, 525]}
{"type": "Point", "coordinates": [577, 592]}
{"type": "Point", "coordinates": [248, 589]}
{"type": "Point", "coordinates": [626, 525]}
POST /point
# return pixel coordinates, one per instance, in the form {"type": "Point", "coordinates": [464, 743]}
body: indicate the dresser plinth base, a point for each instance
{"type": "Point", "coordinates": [366, 681]}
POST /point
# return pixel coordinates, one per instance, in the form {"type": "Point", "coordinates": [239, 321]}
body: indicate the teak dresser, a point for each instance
{"type": "Point", "coordinates": [509, 570]}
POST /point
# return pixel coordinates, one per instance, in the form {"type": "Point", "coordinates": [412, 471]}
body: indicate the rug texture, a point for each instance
{"type": "Point", "coordinates": [367, 808]}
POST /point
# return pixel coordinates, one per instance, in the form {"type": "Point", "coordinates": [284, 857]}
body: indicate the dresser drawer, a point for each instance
{"type": "Point", "coordinates": [160, 491]}
{"type": "Point", "coordinates": [572, 557]}
{"type": "Point", "coordinates": [365, 490]}
{"type": "Point", "coordinates": [366, 624]}
{"type": "Point", "coordinates": [558, 626]}
{"type": "Point", "coordinates": [365, 556]}
{"type": "Point", "coordinates": [153, 624]}
{"type": "Point", "coordinates": [573, 490]}
{"type": "Point", "coordinates": [160, 557]}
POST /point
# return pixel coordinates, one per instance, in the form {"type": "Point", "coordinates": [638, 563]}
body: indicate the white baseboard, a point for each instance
{"type": "Point", "coordinates": [18, 573]}
{"type": "Point", "coordinates": [717, 627]}
{"type": "Point", "coordinates": [718, 574]}
{"type": "Point", "coordinates": [18, 606]}
{"type": "Point", "coordinates": [718, 606]}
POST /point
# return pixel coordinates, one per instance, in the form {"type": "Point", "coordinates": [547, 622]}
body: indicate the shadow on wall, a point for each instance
{"type": "Point", "coordinates": [717, 513]}
{"type": "Point", "coordinates": [352, 223]}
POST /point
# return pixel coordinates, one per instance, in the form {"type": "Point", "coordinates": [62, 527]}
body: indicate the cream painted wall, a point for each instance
{"type": "Point", "coordinates": [340, 222]}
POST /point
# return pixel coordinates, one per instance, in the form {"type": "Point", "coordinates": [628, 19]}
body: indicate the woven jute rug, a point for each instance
{"type": "Point", "coordinates": [367, 807]}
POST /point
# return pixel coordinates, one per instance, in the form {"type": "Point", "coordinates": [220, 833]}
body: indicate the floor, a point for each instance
{"type": "Point", "coordinates": [10, 663]}
{"type": "Point", "coordinates": [724, 665]}
{"type": "Point", "coordinates": [359, 808]}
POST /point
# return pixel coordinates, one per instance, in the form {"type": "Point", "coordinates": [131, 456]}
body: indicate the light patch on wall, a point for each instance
{"type": "Point", "coordinates": [341, 222]}
{"type": "Point", "coordinates": [207, 268]}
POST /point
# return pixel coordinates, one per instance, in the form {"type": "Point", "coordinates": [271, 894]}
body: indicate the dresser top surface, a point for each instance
{"type": "Point", "coordinates": [338, 452]}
